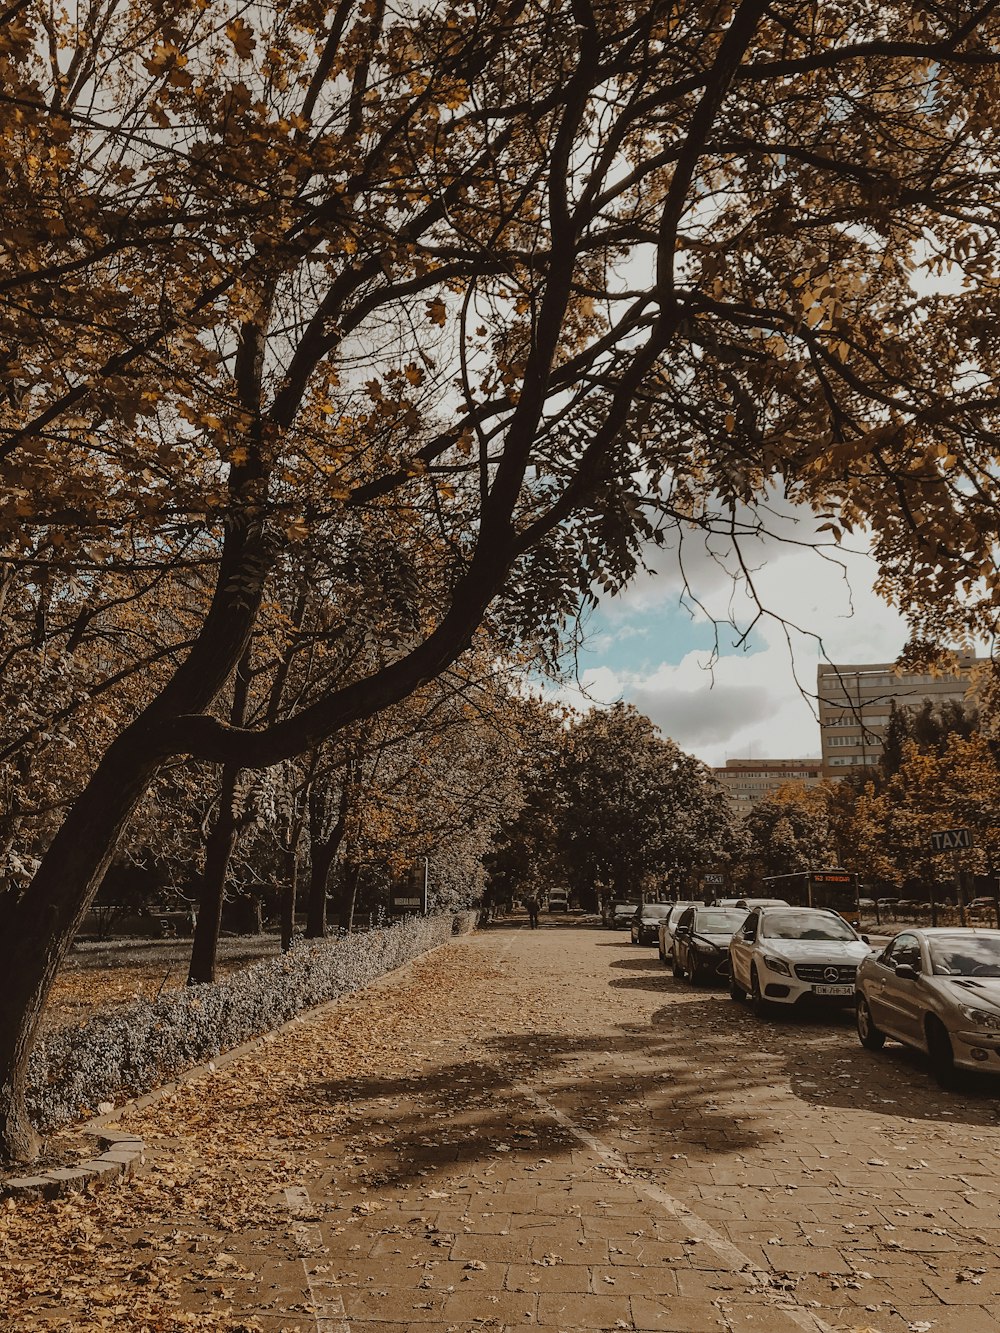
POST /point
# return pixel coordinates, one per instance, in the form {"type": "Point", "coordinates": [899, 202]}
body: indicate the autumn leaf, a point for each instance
{"type": "Point", "coordinates": [242, 38]}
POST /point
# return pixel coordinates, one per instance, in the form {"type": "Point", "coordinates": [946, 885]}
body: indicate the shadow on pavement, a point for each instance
{"type": "Point", "coordinates": [826, 1065]}
{"type": "Point", "coordinates": [695, 1077]}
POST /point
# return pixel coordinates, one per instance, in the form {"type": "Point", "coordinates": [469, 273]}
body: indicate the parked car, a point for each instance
{"type": "Point", "coordinates": [795, 955]}
{"type": "Point", "coordinates": [621, 915]}
{"type": "Point", "coordinates": [646, 922]}
{"type": "Point", "coordinates": [983, 906]}
{"type": "Point", "coordinates": [558, 900]}
{"type": "Point", "coordinates": [701, 942]}
{"type": "Point", "coordinates": [665, 937]}
{"type": "Point", "coordinates": [936, 989]}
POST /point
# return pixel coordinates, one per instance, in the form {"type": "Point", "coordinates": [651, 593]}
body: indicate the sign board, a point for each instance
{"type": "Point", "coordinates": [832, 876]}
{"type": "Point", "coordinates": [408, 897]}
{"type": "Point", "coordinates": [714, 879]}
{"type": "Point", "coordinates": [951, 840]}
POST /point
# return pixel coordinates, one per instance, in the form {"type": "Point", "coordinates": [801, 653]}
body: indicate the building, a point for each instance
{"type": "Point", "coordinates": [747, 781]}
{"type": "Point", "coordinates": [855, 702]}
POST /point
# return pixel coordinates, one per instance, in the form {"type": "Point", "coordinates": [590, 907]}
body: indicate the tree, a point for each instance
{"type": "Point", "coordinates": [636, 811]}
{"type": "Point", "coordinates": [929, 726]}
{"type": "Point", "coordinates": [789, 832]}
{"type": "Point", "coordinates": [955, 784]}
{"type": "Point", "coordinates": [506, 289]}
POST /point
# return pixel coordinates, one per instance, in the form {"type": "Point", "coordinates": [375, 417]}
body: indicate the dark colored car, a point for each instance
{"type": "Point", "coordinates": [701, 942]}
{"type": "Point", "coordinates": [621, 915]}
{"type": "Point", "coordinates": [665, 935]}
{"type": "Point", "coordinates": [646, 922]}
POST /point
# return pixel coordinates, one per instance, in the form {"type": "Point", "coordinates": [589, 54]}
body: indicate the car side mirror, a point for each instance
{"type": "Point", "coordinates": [683, 930]}
{"type": "Point", "coordinates": [865, 939]}
{"type": "Point", "coordinates": [907, 971]}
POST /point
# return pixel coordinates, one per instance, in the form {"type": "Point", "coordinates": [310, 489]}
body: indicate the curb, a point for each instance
{"type": "Point", "coordinates": [123, 1154]}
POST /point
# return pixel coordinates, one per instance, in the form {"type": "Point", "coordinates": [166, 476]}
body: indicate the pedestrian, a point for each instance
{"type": "Point", "coordinates": [531, 903]}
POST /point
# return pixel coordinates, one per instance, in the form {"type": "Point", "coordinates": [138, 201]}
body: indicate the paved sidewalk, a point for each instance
{"type": "Point", "coordinates": [544, 1128]}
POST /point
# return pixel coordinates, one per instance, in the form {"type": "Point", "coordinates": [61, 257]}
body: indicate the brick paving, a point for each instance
{"type": "Point", "coordinates": [613, 1149]}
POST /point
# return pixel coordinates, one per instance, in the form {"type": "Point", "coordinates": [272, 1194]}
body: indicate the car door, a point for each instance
{"type": "Point", "coordinates": [682, 938]}
{"type": "Point", "coordinates": [898, 1006]}
{"type": "Point", "coordinates": [741, 949]}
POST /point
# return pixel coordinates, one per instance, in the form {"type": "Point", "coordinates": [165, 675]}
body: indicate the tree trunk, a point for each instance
{"type": "Point", "coordinates": [219, 850]}
{"type": "Point", "coordinates": [288, 896]}
{"type": "Point", "coordinates": [218, 853]}
{"type": "Point", "coordinates": [40, 925]}
{"type": "Point", "coordinates": [323, 851]}
{"type": "Point", "coordinates": [348, 896]}
{"type": "Point", "coordinates": [320, 866]}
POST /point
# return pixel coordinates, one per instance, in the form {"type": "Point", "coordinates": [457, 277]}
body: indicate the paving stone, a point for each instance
{"type": "Point", "coordinates": [514, 1248]}
{"type": "Point", "coordinates": [408, 1303]}
{"type": "Point", "coordinates": [760, 1318]}
{"type": "Point", "coordinates": [506, 1307]}
{"type": "Point", "coordinates": [970, 1318]}
{"type": "Point", "coordinates": [567, 1310]}
{"type": "Point", "coordinates": [678, 1315]}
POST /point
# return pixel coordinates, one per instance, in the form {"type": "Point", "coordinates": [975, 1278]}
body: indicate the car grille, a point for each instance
{"type": "Point", "coordinates": [819, 972]}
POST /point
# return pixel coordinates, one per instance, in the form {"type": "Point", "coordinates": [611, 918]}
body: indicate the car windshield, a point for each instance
{"type": "Point", "coordinates": [965, 955]}
{"type": "Point", "coordinates": [805, 926]}
{"type": "Point", "coordinates": [719, 920]}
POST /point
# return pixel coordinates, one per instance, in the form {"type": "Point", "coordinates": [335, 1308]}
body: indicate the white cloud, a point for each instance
{"type": "Point", "coordinates": [749, 703]}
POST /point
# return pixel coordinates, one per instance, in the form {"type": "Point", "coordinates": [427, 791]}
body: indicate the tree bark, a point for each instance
{"type": "Point", "coordinates": [348, 896]}
{"type": "Point", "coordinates": [41, 924]}
{"type": "Point", "coordinates": [219, 850]}
{"type": "Point", "coordinates": [323, 852]}
{"type": "Point", "coordinates": [289, 894]}
{"type": "Point", "coordinates": [218, 853]}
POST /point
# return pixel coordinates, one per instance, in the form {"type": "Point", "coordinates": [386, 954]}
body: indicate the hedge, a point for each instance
{"type": "Point", "coordinates": [127, 1051]}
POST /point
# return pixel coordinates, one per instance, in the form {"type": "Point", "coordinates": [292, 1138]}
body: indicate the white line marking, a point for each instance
{"type": "Point", "coordinates": [327, 1303]}
{"type": "Point", "coordinates": [733, 1258]}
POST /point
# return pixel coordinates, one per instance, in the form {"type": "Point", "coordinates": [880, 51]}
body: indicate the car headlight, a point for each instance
{"type": "Point", "coordinates": [777, 965]}
{"type": "Point", "coordinates": [703, 946]}
{"type": "Point", "coordinates": [987, 1020]}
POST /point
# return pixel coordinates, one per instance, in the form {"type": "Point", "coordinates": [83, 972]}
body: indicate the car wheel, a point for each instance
{"type": "Point", "coordinates": [942, 1057]}
{"type": "Point", "coordinates": [663, 956]}
{"type": "Point", "coordinates": [736, 991]}
{"type": "Point", "coordinates": [678, 971]}
{"type": "Point", "coordinates": [871, 1037]}
{"type": "Point", "coordinates": [694, 973]}
{"type": "Point", "coordinates": [757, 1002]}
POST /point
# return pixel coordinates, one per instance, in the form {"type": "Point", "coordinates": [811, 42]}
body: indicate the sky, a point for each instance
{"type": "Point", "coordinates": [652, 645]}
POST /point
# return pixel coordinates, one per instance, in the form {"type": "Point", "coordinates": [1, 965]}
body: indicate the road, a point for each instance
{"type": "Point", "coordinates": [545, 1128]}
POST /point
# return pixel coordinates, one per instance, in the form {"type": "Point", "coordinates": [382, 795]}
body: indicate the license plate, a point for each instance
{"type": "Point", "coordinates": [833, 990]}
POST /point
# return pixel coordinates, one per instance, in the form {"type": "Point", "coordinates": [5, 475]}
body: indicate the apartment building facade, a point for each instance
{"type": "Point", "coordinates": [747, 781]}
{"type": "Point", "coordinates": [855, 701]}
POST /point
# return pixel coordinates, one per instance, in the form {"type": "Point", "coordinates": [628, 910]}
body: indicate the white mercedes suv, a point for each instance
{"type": "Point", "coordinates": [795, 955]}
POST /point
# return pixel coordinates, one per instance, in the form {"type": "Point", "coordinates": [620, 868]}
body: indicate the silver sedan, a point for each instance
{"type": "Point", "coordinates": [937, 990]}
